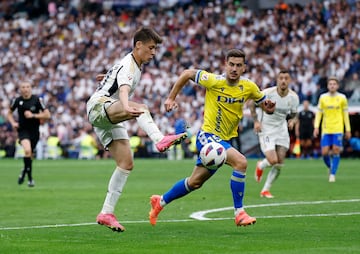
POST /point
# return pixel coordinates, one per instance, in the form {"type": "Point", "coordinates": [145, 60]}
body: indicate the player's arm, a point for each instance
{"type": "Point", "coordinates": [347, 124]}
{"type": "Point", "coordinates": [42, 115]}
{"type": "Point", "coordinates": [100, 77]}
{"type": "Point", "coordinates": [346, 118]}
{"type": "Point", "coordinates": [128, 109]}
{"type": "Point", "coordinates": [124, 91]}
{"type": "Point", "coordinates": [11, 119]}
{"type": "Point", "coordinates": [293, 119]}
{"type": "Point", "coordinates": [254, 115]}
{"type": "Point", "coordinates": [184, 78]}
{"type": "Point", "coordinates": [318, 117]}
{"type": "Point", "coordinates": [294, 116]}
{"type": "Point", "coordinates": [317, 121]}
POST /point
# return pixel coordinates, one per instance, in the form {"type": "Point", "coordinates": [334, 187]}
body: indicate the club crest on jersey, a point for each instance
{"type": "Point", "coordinates": [241, 87]}
{"type": "Point", "coordinates": [21, 103]}
{"type": "Point", "coordinates": [204, 77]}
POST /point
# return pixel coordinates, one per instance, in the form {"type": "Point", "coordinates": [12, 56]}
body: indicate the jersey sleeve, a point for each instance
{"type": "Point", "coordinates": [41, 104]}
{"type": "Point", "coordinates": [14, 104]}
{"type": "Point", "coordinates": [206, 79]}
{"type": "Point", "coordinates": [257, 95]}
{"type": "Point", "coordinates": [124, 76]}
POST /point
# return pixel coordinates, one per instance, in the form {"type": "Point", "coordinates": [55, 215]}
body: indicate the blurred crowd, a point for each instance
{"type": "Point", "coordinates": [63, 45]}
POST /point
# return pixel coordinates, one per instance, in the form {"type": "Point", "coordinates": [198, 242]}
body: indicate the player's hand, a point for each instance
{"type": "Point", "coordinates": [133, 112]}
{"type": "Point", "coordinates": [100, 77]}
{"type": "Point", "coordinates": [269, 106]}
{"type": "Point", "coordinates": [257, 126]}
{"type": "Point", "coordinates": [347, 135]}
{"type": "Point", "coordinates": [28, 114]}
{"type": "Point", "coordinates": [291, 124]}
{"type": "Point", "coordinates": [15, 125]}
{"type": "Point", "coordinates": [170, 105]}
{"type": "Point", "coordinates": [316, 132]}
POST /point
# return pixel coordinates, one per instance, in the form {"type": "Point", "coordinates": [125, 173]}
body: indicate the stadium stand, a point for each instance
{"type": "Point", "coordinates": [62, 45]}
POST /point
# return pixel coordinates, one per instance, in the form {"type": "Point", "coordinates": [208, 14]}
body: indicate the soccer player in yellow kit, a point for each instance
{"type": "Point", "coordinates": [223, 109]}
{"type": "Point", "coordinates": [333, 110]}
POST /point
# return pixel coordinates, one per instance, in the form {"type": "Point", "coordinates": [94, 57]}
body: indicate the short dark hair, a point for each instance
{"type": "Point", "coordinates": [284, 71]}
{"type": "Point", "coordinates": [235, 53]}
{"type": "Point", "coordinates": [146, 34]}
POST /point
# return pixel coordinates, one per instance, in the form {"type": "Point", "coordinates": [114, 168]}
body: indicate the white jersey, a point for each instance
{"type": "Point", "coordinates": [276, 123]}
{"type": "Point", "coordinates": [126, 72]}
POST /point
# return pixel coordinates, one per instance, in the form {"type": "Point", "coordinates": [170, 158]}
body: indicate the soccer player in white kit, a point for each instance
{"type": "Point", "coordinates": [109, 106]}
{"type": "Point", "coordinates": [272, 129]}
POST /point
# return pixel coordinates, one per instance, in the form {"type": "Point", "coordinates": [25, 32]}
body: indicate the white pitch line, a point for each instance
{"type": "Point", "coordinates": [201, 215]}
{"type": "Point", "coordinates": [50, 226]}
{"type": "Point", "coordinates": [85, 224]}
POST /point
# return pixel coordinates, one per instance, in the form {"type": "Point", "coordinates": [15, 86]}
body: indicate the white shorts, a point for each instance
{"type": "Point", "coordinates": [268, 142]}
{"type": "Point", "coordinates": [104, 129]}
{"type": "Point", "coordinates": [96, 111]}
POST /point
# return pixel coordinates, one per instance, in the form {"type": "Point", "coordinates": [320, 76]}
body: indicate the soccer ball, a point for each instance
{"type": "Point", "coordinates": [213, 155]}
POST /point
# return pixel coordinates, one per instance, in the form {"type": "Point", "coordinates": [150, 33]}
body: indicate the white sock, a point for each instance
{"type": "Point", "coordinates": [271, 177]}
{"type": "Point", "coordinates": [162, 202]}
{"type": "Point", "coordinates": [264, 163]}
{"type": "Point", "coordinates": [238, 210]}
{"type": "Point", "coordinates": [115, 188]}
{"type": "Point", "coordinates": [146, 122]}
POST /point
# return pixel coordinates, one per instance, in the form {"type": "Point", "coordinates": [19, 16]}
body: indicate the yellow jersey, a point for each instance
{"type": "Point", "coordinates": [223, 108]}
{"type": "Point", "coordinates": [333, 109]}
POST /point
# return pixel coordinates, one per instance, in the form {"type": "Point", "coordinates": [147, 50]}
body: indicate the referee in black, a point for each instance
{"type": "Point", "coordinates": [31, 110]}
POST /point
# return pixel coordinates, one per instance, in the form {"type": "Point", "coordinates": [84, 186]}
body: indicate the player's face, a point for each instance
{"type": "Point", "coordinates": [25, 90]}
{"type": "Point", "coordinates": [283, 81]}
{"type": "Point", "coordinates": [235, 67]}
{"type": "Point", "coordinates": [333, 86]}
{"type": "Point", "coordinates": [306, 105]}
{"type": "Point", "coordinates": [147, 51]}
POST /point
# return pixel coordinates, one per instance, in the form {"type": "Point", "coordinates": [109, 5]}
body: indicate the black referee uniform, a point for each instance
{"type": "Point", "coordinates": [28, 128]}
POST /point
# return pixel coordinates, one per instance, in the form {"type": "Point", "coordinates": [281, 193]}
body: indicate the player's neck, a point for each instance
{"type": "Point", "coordinates": [136, 59]}
{"type": "Point", "coordinates": [232, 82]}
{"type": "Point", "coordinates": [281, 92]}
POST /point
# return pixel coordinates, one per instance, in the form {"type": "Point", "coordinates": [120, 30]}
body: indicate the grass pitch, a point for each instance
{"type": "Point", "coordinates": [307, 215]}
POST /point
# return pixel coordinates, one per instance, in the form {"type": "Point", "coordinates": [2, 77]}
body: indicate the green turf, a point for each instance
{"type": "Point", "coordinates": [307, 215]}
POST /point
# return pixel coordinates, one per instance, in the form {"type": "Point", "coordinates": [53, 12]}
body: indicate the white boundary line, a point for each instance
{"type": "Point", "coordinates": [201, 215]}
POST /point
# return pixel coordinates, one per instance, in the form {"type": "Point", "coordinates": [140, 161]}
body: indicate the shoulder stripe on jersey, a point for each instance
{"type": "Point", "coordinates": [197, 76]}
{"type": "Point", "coordinates": [115, 85]}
